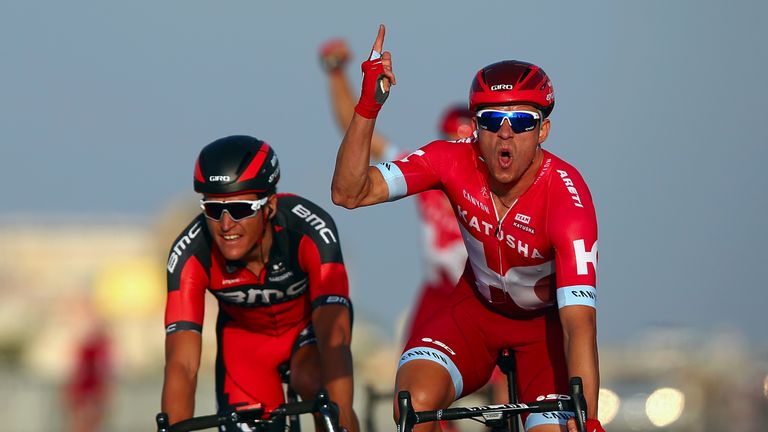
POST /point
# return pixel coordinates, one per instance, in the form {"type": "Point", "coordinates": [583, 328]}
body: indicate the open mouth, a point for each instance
{"type": "Point", "coordinates": [505, 158]}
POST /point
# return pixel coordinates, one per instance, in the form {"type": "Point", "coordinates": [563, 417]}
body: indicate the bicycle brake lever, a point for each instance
{"type": "Point", "coordinates": [407, 416]}
{"type": "Point", "coordinates": [579, 403]}
{"type": "Point", "coordinates": [162, 422]}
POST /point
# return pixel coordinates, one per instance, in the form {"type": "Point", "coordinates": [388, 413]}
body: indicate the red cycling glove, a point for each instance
{"type": "Point", "coordinates": [593, 425]}
{"type": "Point", "coordinates": [372, 95]}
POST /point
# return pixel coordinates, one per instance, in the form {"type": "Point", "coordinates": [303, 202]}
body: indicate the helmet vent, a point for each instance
{"type": "Point", "coordinates": [524, 75]}
{"type": "Point", "coordinates": [244, 163]}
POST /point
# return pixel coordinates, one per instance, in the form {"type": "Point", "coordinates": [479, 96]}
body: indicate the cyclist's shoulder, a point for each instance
{"type": "Point", "coordinates": [194, 233]}
{"type": "Point", "coordinates": [301, 216]}
{"type": "Point", "coordinates": [194, 239]}
{"type": "Point", "coordinates": [568, 191]}
{"type": "Point", "coordinates": [445, 155]}
{"type": "Point", "coordinates": [558, 163]}
{"type": "Point", "coordinates": [555, 165]}
{"type": "Point", "coordinates": [296, 207]}
{"type": "Point", "coordinates": [463, 145]}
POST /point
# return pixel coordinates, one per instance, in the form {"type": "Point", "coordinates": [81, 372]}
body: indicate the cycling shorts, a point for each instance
{"type": "Point", "coordinates": [247, 364]}
{"type": "Point", "coordinates": [466, 337]}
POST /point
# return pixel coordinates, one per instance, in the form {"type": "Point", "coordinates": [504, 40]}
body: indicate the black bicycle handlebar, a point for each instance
{"type": "Point", "coordinates": [576, 403]}
{"type": "Point", "coordinates": [328, 410]}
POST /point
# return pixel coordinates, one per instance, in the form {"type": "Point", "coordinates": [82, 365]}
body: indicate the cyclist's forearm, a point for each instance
{"type": "Point", "coordinates": [333, 328]}
{"type": "Point", "coordinates": [351, 182]}
{"type": "Point", "coordinates": [178, 399]}
{"type": "Point", "coordinates": [582, 358]}
{"type": "Point", "coordinates": [340, 391]}
{"type": "Point", "coordinates": [338, 380]}
{"type": "Point", "coordinates": [341, 98]}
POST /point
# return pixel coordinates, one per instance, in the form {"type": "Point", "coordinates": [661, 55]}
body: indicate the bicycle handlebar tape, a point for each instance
{"type": "Point", "coordinates": [579, 403]}
{"type": "Point", "coordinates": [374, 91]}
{"type": "Point", "coordinates": [407, 416]}
{"type": "Point", "coordinates": [162, 422]}
{"type": "Point", "coordinates": [197, 423]}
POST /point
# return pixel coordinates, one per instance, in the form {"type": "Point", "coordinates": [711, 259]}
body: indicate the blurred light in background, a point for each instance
{"type": "Point", "coordinates": [633, 411]}
{"type": "Point", "coordinates": [608, 407]}
{"type": "Point", "coordinates": [130, 288]}
{"type": "Point", "coordinates": [765, 387]}
{"type": "Point", "coordinates": [665, 406]}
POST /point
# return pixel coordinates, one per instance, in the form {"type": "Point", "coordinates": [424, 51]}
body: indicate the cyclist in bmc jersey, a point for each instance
{"type": "Point", "coordinates": [530, 230]}
{"type": "Point", "coordinates": [274, 264]}
{"type": "Point", "coordinates": [443, 249]}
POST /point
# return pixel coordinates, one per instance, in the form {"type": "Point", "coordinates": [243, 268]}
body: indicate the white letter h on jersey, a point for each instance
{"type": "Point", "coordinates": [583, 256]}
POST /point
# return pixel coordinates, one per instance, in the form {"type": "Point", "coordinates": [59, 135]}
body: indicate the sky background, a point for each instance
{"type": "Point", "coordinates": [660, 105]}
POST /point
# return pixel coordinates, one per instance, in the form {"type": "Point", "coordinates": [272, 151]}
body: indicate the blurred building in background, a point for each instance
{"type": "Point", "coordinates": [66, 281]}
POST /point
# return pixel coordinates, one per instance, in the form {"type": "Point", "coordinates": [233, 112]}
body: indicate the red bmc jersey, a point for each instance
{"type": "Point", "coordinates": [305, 269]}
{"type": "Point", "coordinates": [542, 252]}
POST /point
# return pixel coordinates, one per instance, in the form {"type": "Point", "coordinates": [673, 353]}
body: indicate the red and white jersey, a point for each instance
{"type": "Point", "coordinates": [444, 252]}
{"type": "Point", "coordinates": [542, 252]}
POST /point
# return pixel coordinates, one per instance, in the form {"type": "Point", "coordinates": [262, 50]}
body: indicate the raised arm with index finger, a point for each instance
{"type": "Point", "coordinates": [355, 183]}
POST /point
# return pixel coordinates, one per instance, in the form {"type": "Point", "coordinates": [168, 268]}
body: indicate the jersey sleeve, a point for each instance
{"type": "Point", "coordinates": [414, 173]}
{"type": "Point", "coordinates": [572, 226]}
{"type": "Point", "coordinates": [320, 256]}
{"type": "Point", "coordinates": [187, 277]}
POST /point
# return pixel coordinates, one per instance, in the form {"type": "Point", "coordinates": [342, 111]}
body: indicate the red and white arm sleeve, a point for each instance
{"type": "Point", "coordinates": [572, 226]}
{"type": "Point", "coordinates": [414, 173]}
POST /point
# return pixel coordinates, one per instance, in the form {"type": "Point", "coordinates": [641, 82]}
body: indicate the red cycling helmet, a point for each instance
{"type": "Point", "coordinates": [237, 164]}
{"type": "Point", "coordinates": [511, 82]}
{"type": "Point", "coordinates": [457, 122]}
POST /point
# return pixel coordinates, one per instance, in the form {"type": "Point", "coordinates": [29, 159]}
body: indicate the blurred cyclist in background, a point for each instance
{"type": "Point", "coordinates": [88, 391]}
{"type": "Point", "coordinates": [530, 229]}
{"type": "Point", "coordinates": [273, 262]}
{"type": "Point", "coordinates": [443, 249]}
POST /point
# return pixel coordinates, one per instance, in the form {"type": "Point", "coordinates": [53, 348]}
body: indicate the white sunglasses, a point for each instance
{"type": "Point", "coordinates": [237, 209]}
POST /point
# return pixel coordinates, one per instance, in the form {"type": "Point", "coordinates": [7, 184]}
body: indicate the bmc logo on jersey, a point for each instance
{"type": "Point", "coordinates": [315, 222]}
{"type": "Point", "coordinates": [181, 245]}
{"type": "Point", "coordinates": [218, 178]}
{"type": "Point", "coordinates": [585, 257]}
{"type": "Point", "coordinates": [262, 296]}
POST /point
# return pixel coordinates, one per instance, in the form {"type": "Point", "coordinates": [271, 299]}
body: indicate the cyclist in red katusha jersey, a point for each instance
{"type": "Point", "coordinates": [443, 249]}
{"type": "Point", "coordinates": [530, 230]}
{"type": "Point", "coordinates": [274, 264]}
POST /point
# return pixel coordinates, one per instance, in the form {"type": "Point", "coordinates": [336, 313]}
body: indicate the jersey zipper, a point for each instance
{"type": "Point", "coordinates": [500, 238]}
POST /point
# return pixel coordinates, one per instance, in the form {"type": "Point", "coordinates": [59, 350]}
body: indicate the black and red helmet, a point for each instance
{"type": "Point", "coordinates": [457, 121]}
{"type": "Point", "coordinates": [512, 82]}
{"type": "Point", "coordinates": [236, 164]}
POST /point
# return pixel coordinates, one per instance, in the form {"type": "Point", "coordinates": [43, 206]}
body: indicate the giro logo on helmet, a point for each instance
{"type": "Point", "coordinates": [502, 87]}
{"type": "Point", "coordinates": [218, 178]}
